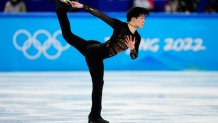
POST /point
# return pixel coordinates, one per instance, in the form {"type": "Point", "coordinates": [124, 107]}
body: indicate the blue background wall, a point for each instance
{"type": "Point", "coordinates": [33, 42]}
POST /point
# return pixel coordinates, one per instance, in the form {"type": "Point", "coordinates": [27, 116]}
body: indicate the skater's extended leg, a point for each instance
{"type": "Point", "coordinates": [74, 40]}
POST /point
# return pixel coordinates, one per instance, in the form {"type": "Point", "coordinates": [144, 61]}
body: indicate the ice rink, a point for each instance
{"type": "Point", "coordinates": [128, 97]}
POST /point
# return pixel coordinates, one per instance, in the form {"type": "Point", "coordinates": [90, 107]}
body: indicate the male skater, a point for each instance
{"type": "Point", "coordinates": [124, 36]}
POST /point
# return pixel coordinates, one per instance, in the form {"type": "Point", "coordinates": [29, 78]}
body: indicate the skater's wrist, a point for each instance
{"type": "Point", "coordinates": [132, 49]}
{"type": "Point", "coordinates": [81, 6]}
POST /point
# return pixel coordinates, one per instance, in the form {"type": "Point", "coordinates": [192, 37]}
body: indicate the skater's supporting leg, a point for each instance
{"type": "Point", "coordinates": [96, 69]}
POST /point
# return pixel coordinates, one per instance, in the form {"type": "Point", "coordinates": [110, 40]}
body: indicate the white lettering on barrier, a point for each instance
{"type": "Point", "coordinates": [187, 44]}
{"type": "Point", "coordinates": [149, 44]}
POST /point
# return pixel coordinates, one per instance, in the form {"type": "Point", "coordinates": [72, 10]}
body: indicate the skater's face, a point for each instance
{"type": "Point", "coordinates": [139, 21]}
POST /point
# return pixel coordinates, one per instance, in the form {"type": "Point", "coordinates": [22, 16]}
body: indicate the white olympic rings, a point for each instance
{"type": "Point", "coordinates": [41, 48]}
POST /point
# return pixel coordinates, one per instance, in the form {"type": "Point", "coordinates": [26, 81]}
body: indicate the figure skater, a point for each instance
{"type": "Point", "coordinates": [125, 36]}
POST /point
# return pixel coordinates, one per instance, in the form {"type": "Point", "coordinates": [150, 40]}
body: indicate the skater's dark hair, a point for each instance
{"type": "Point", "coordinates": [136, 12]}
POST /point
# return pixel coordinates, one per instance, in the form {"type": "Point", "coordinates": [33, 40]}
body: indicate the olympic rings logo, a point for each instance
{"type": "Point", "coordinates": [42, 48]}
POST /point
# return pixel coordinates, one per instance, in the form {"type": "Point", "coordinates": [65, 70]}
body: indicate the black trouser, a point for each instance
{"type": "Point", "coordinates": [94, 53]}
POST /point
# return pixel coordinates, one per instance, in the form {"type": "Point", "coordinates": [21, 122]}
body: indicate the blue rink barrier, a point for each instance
{"type": "Point", "coordinates": [33, 42]}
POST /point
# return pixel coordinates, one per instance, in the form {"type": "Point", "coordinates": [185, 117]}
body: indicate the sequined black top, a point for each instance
{"type": "Point", "coordinates": [116, 43]}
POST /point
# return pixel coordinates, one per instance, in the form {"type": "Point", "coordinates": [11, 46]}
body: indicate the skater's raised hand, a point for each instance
{"type": "Point", "coordinates": [76, 4]}
{"type": "Point", "coordinates": [129, 42]}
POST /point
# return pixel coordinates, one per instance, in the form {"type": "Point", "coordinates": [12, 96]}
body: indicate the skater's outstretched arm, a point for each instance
{"type": "Point", "coordinates": [110, 21]}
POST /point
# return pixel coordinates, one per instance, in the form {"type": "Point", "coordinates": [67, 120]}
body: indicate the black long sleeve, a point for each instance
{"type": "Point", "coordinates": [110, 21]}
